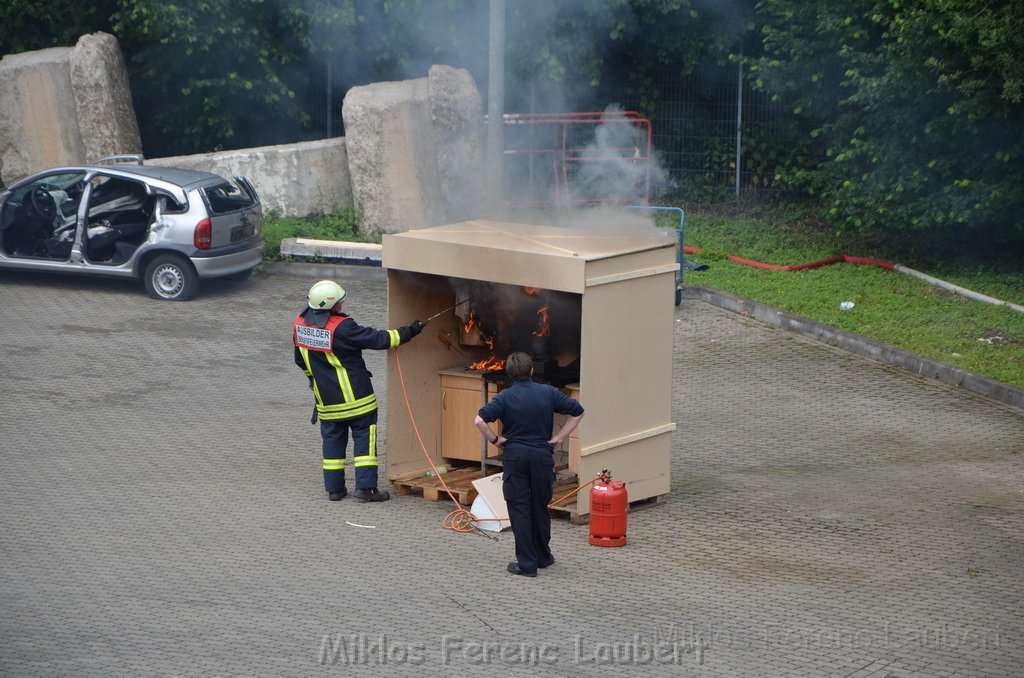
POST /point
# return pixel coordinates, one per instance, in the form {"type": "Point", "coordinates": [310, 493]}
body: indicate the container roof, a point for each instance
{"type": "Point", "coordinates": [548, 257]}
{"type": "Point", "coordinates": [537, 239]}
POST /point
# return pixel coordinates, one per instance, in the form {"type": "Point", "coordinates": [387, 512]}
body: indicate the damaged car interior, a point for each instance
{"type": "Point", "coordinates": [41, 219]}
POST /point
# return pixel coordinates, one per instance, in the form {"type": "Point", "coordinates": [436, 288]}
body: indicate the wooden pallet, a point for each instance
{"type": "Point", "coordinates": [459, 482]}
{"type": "Point", "coordinates": [561, 489]}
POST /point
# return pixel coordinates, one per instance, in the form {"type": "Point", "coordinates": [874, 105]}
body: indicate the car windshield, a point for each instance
{"type": "Point", "coordinates": [60, 187]}
{"type": "Point", "coordinates": [65, 182]}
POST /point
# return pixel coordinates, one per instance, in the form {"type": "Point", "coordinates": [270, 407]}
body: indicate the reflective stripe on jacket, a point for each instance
{"type": "Point", "coordinates": [340, 380]}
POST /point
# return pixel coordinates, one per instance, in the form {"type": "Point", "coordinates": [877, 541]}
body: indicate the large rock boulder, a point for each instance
{"type": "Point", "coordinates": [38, 127]}
{"type": "Point", "coordinates": [414, 150]}
{"type": "Point", "coordinates": [103, 99]}
{"type": "Point", "coordinates": [457, 122]}
{"type": "Point", "coordinates": [65, 105]}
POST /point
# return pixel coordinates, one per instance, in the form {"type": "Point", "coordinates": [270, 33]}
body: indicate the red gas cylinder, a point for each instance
{"type": "Point", "coordinates": [608, 506]}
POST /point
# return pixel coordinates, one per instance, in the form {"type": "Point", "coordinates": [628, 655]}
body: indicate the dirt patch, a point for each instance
{"type": "Point", "coordinates": [998, 338]}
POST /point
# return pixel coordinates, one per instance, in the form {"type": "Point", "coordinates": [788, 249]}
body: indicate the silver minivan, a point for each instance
{"type": "Point", "coordinates": [170, 227]}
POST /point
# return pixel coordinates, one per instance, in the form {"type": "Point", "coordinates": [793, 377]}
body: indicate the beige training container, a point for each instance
{"type": "Point", "coordinates": [611, 317]}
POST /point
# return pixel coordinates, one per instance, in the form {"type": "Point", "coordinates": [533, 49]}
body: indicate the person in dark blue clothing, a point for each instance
{"type": "Point", "coordinates": [329, 350]}
{"type": "Point", "coordinates": [527, 413]}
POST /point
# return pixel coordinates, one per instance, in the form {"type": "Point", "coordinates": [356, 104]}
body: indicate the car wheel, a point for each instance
{"type": "Point", "coordinates": [171, 278]}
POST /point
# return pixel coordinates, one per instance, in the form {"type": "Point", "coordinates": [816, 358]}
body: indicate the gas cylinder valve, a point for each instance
{"type": "Point", "coordinates": [605, 476]}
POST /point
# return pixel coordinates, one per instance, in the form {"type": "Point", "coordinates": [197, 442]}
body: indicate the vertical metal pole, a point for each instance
{"type": "Point", "coordinates": [739, 123]}
{"type": "Point", "coordinates": [329, 97]}
{"type": "Point", "coordinates": [532, 156]}
{"type": "Point", "coordinates": [483, 443]}
{"type": "Point", "coordinates": [496, 102]}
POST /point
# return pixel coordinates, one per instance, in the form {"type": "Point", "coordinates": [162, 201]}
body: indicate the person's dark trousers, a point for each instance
{"type": "Point", "coordinates": [334, 433]}
{"type": "Point", "coordinates": [527, 482]}
{"type": "Point", "coordinates": [364, 450]}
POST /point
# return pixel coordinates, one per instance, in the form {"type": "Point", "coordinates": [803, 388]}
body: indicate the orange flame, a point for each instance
{"type": "Point", "coordinates": [544, 326]}
{"type": "Point", "coordinates": [491, 364]}
{"type": "Point", "coordinates": [531, 290]}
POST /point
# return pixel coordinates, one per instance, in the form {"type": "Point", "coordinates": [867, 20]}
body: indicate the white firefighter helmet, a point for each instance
{"type": "Point", "coordinates": [324, 295]}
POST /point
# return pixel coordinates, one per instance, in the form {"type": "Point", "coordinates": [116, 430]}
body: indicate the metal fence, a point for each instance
{"type": "Point", "coordinates": [716, 134]}
{"type": "Point", "coordinates": [712, 133]}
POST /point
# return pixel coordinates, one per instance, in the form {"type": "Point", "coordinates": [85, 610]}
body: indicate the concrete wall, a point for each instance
{"type": "Point", "coordinates": [300, 179]}
{"type": "Point", "coordinates": [50, 110]}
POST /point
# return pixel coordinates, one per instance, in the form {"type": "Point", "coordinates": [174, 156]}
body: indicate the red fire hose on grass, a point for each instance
{"type": "Point", "coordinates": [843, 258]}
{"type": "Point", "coordinates": [846, 258]}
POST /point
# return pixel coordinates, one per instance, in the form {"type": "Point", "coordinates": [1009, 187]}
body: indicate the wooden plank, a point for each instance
{"type": "Point", "coordinates": [411, 475]}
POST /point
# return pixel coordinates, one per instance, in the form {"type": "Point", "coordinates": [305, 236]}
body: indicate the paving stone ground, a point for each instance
{"type": "Point", "coordinates": [162, 513]}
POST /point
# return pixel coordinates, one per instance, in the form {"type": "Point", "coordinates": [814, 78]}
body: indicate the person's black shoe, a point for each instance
{"type": "Point", "coordinates": [547, 564]}
{"type": "Point", "coordinates": [337, 496]}
{"type": "Point", "coordinates": [372, 494]}
{"type": "Point", "coordinates": [514, 568]}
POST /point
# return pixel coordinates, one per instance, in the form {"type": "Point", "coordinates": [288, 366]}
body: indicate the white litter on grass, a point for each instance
{"type": "Point", "coordinates": [846, 305]}
{"type": "Point", "coordinates": [369, 527]}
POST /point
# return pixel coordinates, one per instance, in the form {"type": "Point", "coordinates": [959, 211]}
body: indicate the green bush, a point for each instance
{"type": "Point", "coordinates": [342, 226]}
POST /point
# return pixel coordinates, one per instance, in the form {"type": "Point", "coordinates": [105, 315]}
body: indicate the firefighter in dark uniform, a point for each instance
{"type": "Point", "coordinates": [329, 349]}
{"type": "Point", "coordinates": [526, 410]}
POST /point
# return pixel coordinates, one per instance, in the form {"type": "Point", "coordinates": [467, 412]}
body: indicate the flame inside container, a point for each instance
{"type": "Point", "coordinates": [544, 325]}
{"type": "Point", "coordinates": [490, 364]}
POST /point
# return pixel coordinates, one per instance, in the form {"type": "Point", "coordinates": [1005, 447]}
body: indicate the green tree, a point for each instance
{"type": "Point", "coordinates": [590, 53]}
{"type": "Point", "coordinates": [918, 107]}
{"type": "Point", "coordinates": [217, 71]}
{"type": "Point", "coordinates": [29, 25]}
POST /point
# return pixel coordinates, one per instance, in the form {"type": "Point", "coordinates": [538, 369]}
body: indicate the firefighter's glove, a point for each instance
{"type": "Point", "coordinates": [415, 327]}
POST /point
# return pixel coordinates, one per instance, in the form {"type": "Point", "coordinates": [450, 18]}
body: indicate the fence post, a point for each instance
{"type": "Point", "coordinates": [739, 122]}
{"type": "Point", "coordinates": [496, 102]}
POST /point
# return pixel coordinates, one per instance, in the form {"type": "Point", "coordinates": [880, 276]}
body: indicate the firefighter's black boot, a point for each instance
{"type": "Point", "coordinates": [372, 494]}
